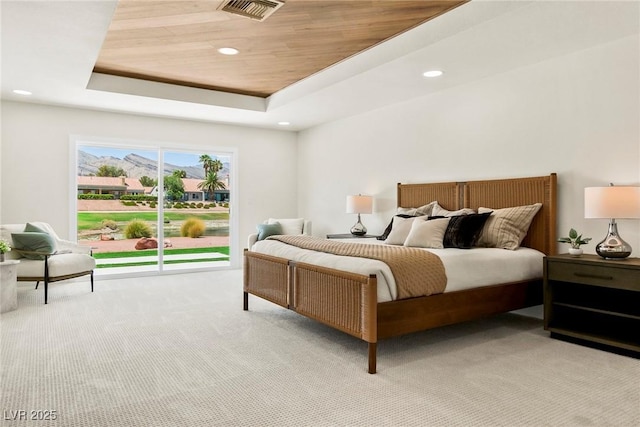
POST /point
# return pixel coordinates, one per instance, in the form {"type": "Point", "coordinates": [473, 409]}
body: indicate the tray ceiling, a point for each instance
{"type": "Point", "coordinates": [177, 42]}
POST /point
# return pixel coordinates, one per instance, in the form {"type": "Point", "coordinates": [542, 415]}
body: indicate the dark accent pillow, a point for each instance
{"type": "Point", "coordinates": [266, 230]}
{"type": "Point", "coordinates": [464, 231]}
{"type": "Point", "coordinates": [32, 241]}
{"type": "Point", "coordinates": [387, 230]}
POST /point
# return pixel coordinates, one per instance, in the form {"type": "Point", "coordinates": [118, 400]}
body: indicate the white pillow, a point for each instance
{"type": "Point", "coordinates": [289, 225]}
{"type": "Point", "coordinates": [427, 234]}
{"type": "Point", "coordinates": [422, 210]}
{"type": "Point", "coordinates": [440, 211]}
{"type": "Point", "coordinates": [400, 230]}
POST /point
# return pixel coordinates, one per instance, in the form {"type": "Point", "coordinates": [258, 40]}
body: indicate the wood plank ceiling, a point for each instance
{"type": "Point", "coordinates": [177, 41]}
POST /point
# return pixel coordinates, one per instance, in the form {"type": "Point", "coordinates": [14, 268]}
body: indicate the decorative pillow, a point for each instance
{"type": "Point", "coordinates": [427, 234]}
{"type": "Point", "coordinates": [400, 229]}
{"type": "Point", "coordinates": [33, 241]}
{"type": "Point", "coordinates": [290, 225]}
{"type": "Point", "coordinates": [440, 211]}
{"type": "Point", "coordinates": [34, 228]}
{"type": "Point", "coordinates": [463, 231]}
{"type": "Point", "coordinates": [387, 230]}
{"type": "Point", "coordinates": [506, 228]}
{"type": "Point", "coordinates": [422, 210]}
{"type": "Point", "coordinates": [266, 230]}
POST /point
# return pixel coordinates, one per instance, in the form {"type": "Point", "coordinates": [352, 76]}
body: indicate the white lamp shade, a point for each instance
{"type": "Point", "coordinates": [359, 204]}
{"type": "Point", "coordinates": [612, 202]}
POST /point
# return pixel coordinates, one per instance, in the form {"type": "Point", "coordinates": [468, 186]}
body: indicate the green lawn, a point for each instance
{"type": "Point", "coordinates": [154, 252]}
{"type": "Point", "coordinates": [93, 220]}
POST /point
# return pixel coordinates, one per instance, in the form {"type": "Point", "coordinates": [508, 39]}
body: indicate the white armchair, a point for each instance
{"type": "Point", "coordinates": [293, 226]}
{"type": "Point", "coordinates": [45, 257]}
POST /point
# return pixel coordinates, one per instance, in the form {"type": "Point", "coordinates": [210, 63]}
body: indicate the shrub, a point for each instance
{"type": "Point", "coordinates": [95, 196]}
{"type": "Point", "coordinates": [136, 229]}
{"type": "Point", "coordinates": [199, 204]}
{"type": "Point", "coordinates": [226, 205]}
{"type": "Point", "coordinates": [110, 224]}
{"type": "Point", "coordinates": [128, 203]}
{"type": "Point", "coordinates": [192, 227]}
{"type": "Point", "coordinates": [139, 197]}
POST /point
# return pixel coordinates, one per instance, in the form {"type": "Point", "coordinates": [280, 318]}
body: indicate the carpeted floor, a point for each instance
{"type": "Point", "coordinates": [178, 350]}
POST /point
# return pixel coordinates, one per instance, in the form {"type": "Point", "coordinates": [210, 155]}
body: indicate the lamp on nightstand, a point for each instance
{"type": "Point", "coordinates": [612, 202]}
{"type": "Point", "coordinates": [360, 205]}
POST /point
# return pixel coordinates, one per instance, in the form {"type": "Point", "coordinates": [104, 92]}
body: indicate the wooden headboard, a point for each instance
{"type": "Point", "coordinates": [496, 194]}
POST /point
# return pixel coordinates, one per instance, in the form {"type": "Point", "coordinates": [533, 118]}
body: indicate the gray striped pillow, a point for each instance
{"type": "Point", "coordinates": [506, 228]}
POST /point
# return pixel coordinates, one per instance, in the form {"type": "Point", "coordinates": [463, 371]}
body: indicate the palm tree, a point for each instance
{"type": "Point", "coordinates": [211, 183]}
{"type": "Point", "coordinates": [206, 160]}
{"type": "Point", "coordinates": [216, 166]}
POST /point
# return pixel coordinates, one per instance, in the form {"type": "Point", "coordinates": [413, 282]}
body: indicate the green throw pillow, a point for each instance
{"type": "Point", "coordinates": [34, 228]}
{"type": "Point", "coordinates": [266, 230]}
{"type": "Point", "coordinates": [31, 241]}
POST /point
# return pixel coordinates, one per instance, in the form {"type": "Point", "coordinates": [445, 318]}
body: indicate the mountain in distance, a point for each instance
{"type": "Point", "coordinates": [137, 166]}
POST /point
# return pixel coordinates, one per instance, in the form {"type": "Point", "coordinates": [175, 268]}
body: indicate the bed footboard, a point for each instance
{"type": "Point", "coordinates": [345, 301]}
{"type": "Point", "coordinates": [267, 277]}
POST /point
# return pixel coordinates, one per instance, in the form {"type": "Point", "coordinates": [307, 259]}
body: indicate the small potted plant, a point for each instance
{"type": "Point", "coordinates": [575, 240]}
{"type": "Point", "coordinates": [4, 248]}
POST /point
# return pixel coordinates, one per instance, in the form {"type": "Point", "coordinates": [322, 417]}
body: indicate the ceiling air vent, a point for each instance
{"type": "Point", "coordinates": [258, 10]}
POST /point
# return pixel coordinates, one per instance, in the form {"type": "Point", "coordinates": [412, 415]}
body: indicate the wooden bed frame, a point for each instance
{"type": "Point", "coordinates": [348, 301]}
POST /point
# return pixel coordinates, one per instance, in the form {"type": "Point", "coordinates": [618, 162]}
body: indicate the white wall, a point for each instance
{"type": "Point", "coordinates": [34, 178]}
{"type": "Point", "coordinates": [576, 115]}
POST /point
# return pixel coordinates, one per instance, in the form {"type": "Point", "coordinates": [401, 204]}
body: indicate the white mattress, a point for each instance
{"type": "Point", "coordinates": [465, 268]}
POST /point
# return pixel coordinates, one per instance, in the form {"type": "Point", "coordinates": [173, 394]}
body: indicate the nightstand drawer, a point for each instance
{"type": "Point", "coordinates": [620, 278]}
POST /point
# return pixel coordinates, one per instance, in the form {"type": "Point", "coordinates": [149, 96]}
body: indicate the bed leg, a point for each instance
{"type": "Point", "coordinates": [372, 357]}
{"type": "Point", "coordinates": [245, 303]}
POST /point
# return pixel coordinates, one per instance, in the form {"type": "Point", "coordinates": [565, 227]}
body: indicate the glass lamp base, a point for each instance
{"type": "Point", "coordinates": [613, 247]}
{"type": "Point", "coordinates": [358, 229]}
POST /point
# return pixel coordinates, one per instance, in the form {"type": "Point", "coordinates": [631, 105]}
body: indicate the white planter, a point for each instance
{"type": "Point", "coordinates": [575, 252]}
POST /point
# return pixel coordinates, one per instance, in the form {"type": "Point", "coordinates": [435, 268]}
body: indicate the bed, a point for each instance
{"type": "Point", "coordinates": [348, 301]}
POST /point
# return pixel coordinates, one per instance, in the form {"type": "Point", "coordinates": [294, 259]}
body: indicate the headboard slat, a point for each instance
{"type": "Point", "coordinates": [415, 195]}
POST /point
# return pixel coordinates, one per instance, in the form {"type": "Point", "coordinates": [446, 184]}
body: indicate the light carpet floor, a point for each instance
{"type": "Point", "coordinates": [178, 350]}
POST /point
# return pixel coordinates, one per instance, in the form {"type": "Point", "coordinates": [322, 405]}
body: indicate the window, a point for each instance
{"type": "Point", "coordinates": [147, 209]}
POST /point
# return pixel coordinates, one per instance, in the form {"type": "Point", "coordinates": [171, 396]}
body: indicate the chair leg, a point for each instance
{"type": "Point", "coordinates": [91, 280]}
{"type": "Point", "coordinates": [37, 283]}
{"type": "Point", "coordinates": [46, 278]}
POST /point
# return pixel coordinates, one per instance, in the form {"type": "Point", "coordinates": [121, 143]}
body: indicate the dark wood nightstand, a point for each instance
{"type": "Point", "coordinates": [349, 236]}
{"type": "Point", "coordinates": [593, 301]}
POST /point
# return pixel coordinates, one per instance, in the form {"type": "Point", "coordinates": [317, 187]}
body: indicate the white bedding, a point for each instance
{"type": "Point", "coordinates": [465, 268]}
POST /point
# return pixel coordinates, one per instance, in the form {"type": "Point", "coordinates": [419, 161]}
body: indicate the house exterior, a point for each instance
{"type": "Point", "coordinates": [118, 186]}
{"type": "Point", "coordinates": [194, 194]}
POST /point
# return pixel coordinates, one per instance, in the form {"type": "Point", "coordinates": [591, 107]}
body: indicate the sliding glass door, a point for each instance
{"type": "Point", "coordinates": [153, 210]}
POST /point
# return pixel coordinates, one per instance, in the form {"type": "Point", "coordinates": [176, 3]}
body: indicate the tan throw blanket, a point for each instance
{"type": "Point", "coordinates": [416, 272]}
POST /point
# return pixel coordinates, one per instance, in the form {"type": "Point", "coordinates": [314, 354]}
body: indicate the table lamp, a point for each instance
{"type": "Point", "coordinates": [612, 202]}
{"type": "Point", "coordinates": [359, 205]}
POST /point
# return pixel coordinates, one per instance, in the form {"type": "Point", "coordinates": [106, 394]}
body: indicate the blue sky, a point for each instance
{"type": "Point", "coordinates": [174, 158]}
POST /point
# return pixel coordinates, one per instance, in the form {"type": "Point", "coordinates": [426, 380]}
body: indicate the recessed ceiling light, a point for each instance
{"type": "Point", "coordinates": [228, 51]}
{"type": "Point", "coordinates": [21, 92]}
{"type": "Point", "coordinates": [432, 73]}
{"type": "Point", "coordinates": [284, 123]}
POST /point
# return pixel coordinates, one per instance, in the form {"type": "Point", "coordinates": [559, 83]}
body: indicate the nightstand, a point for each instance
{"type": "Point", "coordinates": [350, 236]}
{"type": "Point", "coordinates": [593, 301]}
